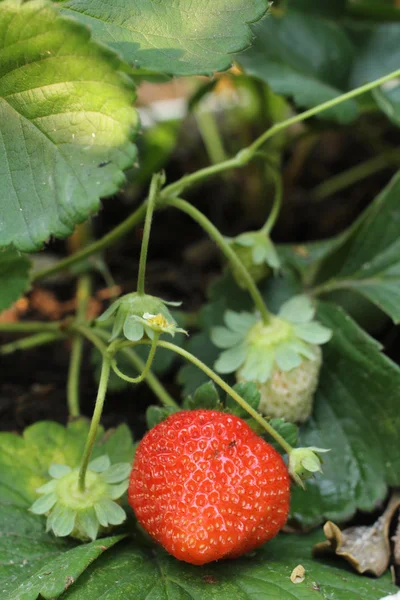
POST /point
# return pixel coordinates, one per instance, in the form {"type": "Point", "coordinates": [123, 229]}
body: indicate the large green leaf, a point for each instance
{"type": "Point", "coordinates": [303, 56]}
{"type": "Point", "coordinates": [36, 564]}
{"type": "Point", "coordinates": [66, 122]}
{"type": "Point", "coordinates": [14, 276]}
{"type": "Point", "coordinates": [179, 37]}
{"type": "Point", "coordinates": [371, 265]}
{"type": "Point", "coordinates": [148, 574]}
{"type": "Point", "coordinates": [355, 415]}
{"type": "Point", "coordinates": [45, 443]}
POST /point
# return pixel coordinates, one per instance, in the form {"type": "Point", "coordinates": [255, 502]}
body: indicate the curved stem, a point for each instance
{"type": "Point", "coordinates": [226, 249]}
{"type": "Point", "coordinates": [176, 188]}
{"type": "Point", "coordinates": [31, 341]}
{"type": "Point", "coordinates": [147, 366]}
{"type": "Point", "coordinates": [108, 240]}
{"type": "Point", "coordinates": [227, 388]}
{"type": "Point", "coordinates": [276, 207]}
{"type": "Point", "coordinates": [94, 425]}
{"type": "Point", "coordinates": [155, 185]}
{"type": "Point", "coordinates": [96, 337]}
{"type": "Point", "coordinates": [82, 296]}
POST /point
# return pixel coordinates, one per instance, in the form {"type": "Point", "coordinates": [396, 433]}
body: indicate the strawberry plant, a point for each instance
{"type": "Point", "coordinates": [260, 409]}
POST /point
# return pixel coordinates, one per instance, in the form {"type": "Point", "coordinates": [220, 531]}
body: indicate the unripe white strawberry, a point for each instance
{"type": "Point", "coordinates": [282, 356]}
{"type": "Point", "coordinates": [289, 394]}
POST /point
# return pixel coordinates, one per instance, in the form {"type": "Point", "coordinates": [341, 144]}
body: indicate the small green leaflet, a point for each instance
{"type": "Point", "coordinates": [67, 123]}
{"type": "Point", "coordinates": [14, 276]}
{"type": "Point", "coordinates": [172, 36]}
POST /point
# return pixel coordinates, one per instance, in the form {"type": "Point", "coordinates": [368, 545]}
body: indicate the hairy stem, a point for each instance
{"type": "Point", "coordinates": [276, 207]}
{"type": "Point", "coordinates": [226, 249]}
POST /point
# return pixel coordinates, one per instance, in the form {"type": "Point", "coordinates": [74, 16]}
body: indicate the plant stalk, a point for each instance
{"type": "Point", "coordinates": [82, 297]}
{"type": "Point", "coordinates": [31, 341]}
{"type": "Point", "coordinates": [226, 249]}
{"type": "Point", "coordinates": [221, 383]}
{"type": "Point", "coordinates": [94, 425]}
{"type": "Point", "coordinates": [155, 185]}
{"type": "Point", "coordinates": [146, 368]}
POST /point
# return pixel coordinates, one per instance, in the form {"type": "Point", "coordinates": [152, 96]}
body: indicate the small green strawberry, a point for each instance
{"type": "Point", "coordinates": [206, 487]}
{"type": "Point", "coordinates": [283, 358]}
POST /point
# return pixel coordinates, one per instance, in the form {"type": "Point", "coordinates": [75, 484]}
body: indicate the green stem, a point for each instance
{"type": "Point", "coordinates": [318, 109]}
{"type": "Point", "coordinates": [147, 366]}
{"type": "Point", "coordinates": [226, 249]}
{"type": "Point", "coordinates": [108, 240]}
{"type": "Point", "coordinates": [227, 388]}
{"type": "Point", "coordinates": [174, 189]}
{"type": "Point", "coordinates": [152, 381]}
{"type": "Point", "coordinates": [276, 207]}
{"type": "Point", "coordinates": [29, 327]}
{"type": "Point", "coordinates": [83, 292]}
{"type": "Point", "coordinates": [94, 425]}
{"type": "Point", "coordinates": [32, 341]}
{"type": "Point", "coordinates": [210, 135]}
{"type": "Point", "coordinates": [155, 185]}
{"type": "Point", "coordinates": [351, 176]}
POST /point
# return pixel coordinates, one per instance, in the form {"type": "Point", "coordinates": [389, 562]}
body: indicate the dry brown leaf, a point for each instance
{"type": "Point", "coordinates": [298, 574]}
{"type": "Point", "coordinates": [366, 548]}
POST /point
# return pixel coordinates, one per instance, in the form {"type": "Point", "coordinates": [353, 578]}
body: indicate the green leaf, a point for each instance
{"type": "Point", "coordinates": [356, 416]}
{"type": "Point", "coordinates": [372, 262]}
{"type": "Point", "coordinates": [303, 56]}
{"type": "Point", "coordinates": [67, 119]}
{"type": "Point", "coordinates": [249, 392]}
{"type": "Point", "coordinates": [206, 397]}
{"type": "Point", "coordinates": [47, 443]}
{"type": "Point", "coordinates": [388, 100]}
{"type": "Point", "coordinates": [38, 565]}
{"type": "Point", "coordinates": [180, 38]}
{"type": "Point", "coordinates": [131, 572]}
{"type": "Point", "coordinates": [157, 414]}
{"type": "Point", "coordinates": [14, 276]}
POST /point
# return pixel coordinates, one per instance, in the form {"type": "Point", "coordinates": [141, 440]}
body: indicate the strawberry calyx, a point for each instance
{"type": "Point", "coordinates": [138, 314]}
{"type": "Point", "coordinates": [304, 463]}
{"type": "Point", "coordinates": [83, 514]}
{"type": "Point", "coordinates": [256, 349]}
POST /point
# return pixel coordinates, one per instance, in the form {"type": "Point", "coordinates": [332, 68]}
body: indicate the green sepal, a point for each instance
{"type": "Point", "coordinates": [205, 397]}
{"type": "Point", "coordinates": [157, 414]}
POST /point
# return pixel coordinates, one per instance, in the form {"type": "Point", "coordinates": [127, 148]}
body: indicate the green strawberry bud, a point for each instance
{"type": "Point", "coordinates": [83, 515]}
{"type": "Point", "coordinates": [138, 314]}
{"type": "Point", "coordinates": [258, 272]}
{"type": "Point", "coordinates": [304, 463]}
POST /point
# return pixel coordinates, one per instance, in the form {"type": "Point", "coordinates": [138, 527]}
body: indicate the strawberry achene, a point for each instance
{"type": "Point", "coordinates": [206, 487]}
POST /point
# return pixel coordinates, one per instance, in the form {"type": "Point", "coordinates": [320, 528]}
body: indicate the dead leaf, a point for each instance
{"type": "Point", "coordinates": [366, 548]}
{"type": "Point", "coordinates": [298, 574]}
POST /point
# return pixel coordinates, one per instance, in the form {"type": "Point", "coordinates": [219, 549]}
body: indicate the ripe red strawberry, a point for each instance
{"type": "Point", "coordinates": [206, 487]}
